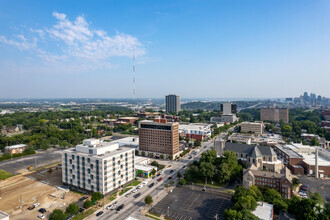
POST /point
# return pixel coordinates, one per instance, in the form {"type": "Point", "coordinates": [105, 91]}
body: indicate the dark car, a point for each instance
{"type": "Point", "coordinates": [170, 178]}
{"type": "Point", "coordinates": [99, 213]}
{"type": "Point", "coordinates": [171, 171]}
{"type": "Point", "coordinates": [137, 195]}
{"type": "Point", "coordinates": [153, 177]}
{"type": "Point", "coordinates": [121, 206]}
{"type": "Point", "coordinates": [160, 179]}
{"type": "Point", "coordinates": [83, 198]}
{"type": "Point", "coordinates": [81, 209]}
{"type": "Point", "coordinates": [158, 174]}
{"type": "Point", "coordinates": [31, 207]}
{"type": "Point", "coordinates": [151, 185]}
{"type": "Point", "coordinates": [42, 210]}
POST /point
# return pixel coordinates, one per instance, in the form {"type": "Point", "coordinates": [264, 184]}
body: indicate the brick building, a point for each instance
{"type": "Point", "coordinates": [159, 137]}
{"type": "Point", "coordinates": [282, 182]}
{"type": "Point", "coordinates": [274, 114]}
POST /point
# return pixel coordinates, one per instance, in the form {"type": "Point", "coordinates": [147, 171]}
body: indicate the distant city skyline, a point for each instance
{"type": "Point", "coordinates": [215, 49]}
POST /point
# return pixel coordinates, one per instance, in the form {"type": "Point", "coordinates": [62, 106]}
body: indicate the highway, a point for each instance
{"type": "Point", "coordinates": [134, 204]}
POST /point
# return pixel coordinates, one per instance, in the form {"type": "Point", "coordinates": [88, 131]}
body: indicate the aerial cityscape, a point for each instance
{"type": "Point", "coordinates": [177, 110]}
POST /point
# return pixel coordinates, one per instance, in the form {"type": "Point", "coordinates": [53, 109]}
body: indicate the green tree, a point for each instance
{"type": "Point", "coordinates": [170, 157]}
{"type": "Point", "coordinates": [246, 202]}
{"type": "Point", "coordinates": [280, 205]}
{"type": "Point", "coordinates": [96, 196]}
{"type": "Point", "coordinates": [88, 204]}
{"type": "Point", "coordinates": [57, 214]}
{"type": "Point", "coordinates": [315, 142]}
{"type": "Point", "coordinates": [161, 156]}
{"type": "Point", "coordinates": [182, 182]}
{"type": "Point", "coordinates": [207, 170]}
{"type": "Point", "coordinates": [143, 153]}
{"type": "Point", "coordinates": [270, 195]}
{"type": "Point", "coordinates": [232, 214]}
{"type": "Point", "coordinates": [172, 182]}
{"type": "Point", "coordinates": [295, 182]}
{"type": "Point", "coordinates": [179, 175]}
{"type": "Point", "coordinates": [197, 143]}
{"type": "Point", "coordinates": [153, 172]}
{"type": "Point", "coordinates": [72, 209]}
{"type": "Point", "coordinates": [208, 156]}
{"type": "Point", "coordinates": [224, 173]}
{"type": "Point", "coordinates": [286, 130]}
{"type": "Point", "coordinates": [316, 197]}
{"type": "Point", "coordinates": [148, 200]}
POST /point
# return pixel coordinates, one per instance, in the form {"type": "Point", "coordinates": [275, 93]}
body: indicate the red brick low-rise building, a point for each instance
{"type": "Point", "coordinates": [282, 182]}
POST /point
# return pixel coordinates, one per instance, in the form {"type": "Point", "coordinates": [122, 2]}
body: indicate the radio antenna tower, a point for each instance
{"type": "Point", "coordinates": [133, 79]}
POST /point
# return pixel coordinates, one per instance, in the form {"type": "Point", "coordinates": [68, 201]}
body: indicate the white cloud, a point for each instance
{"type": "Point", "coordinates": [77, 42]}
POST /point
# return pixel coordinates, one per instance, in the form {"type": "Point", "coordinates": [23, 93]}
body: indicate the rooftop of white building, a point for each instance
{"type": "Point", "coordinates": [195, 126]}
{"type": "Point", "coordinates": [264, 211]}
{"type": "Point", "coordinates": [15, 146]}
{"type": "Point", "coordinates": [310, 159]}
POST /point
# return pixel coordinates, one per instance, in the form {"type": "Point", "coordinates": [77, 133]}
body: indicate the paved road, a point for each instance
{"type": "Point", "coordinates": [37, 160]}
{"type": "Point", "coordinates": [133, 205]}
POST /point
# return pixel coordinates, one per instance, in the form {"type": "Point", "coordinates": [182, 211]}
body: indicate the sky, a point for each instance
{"type": "Point", "coordinates": [196, 49]}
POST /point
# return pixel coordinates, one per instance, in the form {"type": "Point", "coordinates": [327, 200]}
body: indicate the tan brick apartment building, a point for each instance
{"type": "Point", "coordinates": [282, 182]}
{"type": "Point", "coordinates": [159, 137]}
{"type": "Point", "coordinates": [274, 114]}
{"type": "Point", "coordinates": [252, 127]}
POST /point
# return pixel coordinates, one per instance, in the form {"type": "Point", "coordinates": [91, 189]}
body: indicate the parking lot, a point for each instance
{"type": "Point", "coordinates": [317, 185]}
{"type": "Point", "coordinates": [186, 204]}
{"type": "Point", "coordinates": [20, 165]}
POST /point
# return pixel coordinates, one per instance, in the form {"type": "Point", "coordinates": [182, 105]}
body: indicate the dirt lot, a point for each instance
{"type": "Point", "coordinates": [38, 187]}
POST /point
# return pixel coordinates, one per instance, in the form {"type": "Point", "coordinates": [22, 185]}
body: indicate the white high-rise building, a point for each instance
{"type": "Point", "coordinates": [97, 166]}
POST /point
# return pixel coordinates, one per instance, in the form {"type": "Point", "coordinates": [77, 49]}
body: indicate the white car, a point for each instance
{"type": "Point", "coordinates": [41, 216]}
{"type": "Point", "coordinates": [109, 207]}
{"type": "Point", "coordinates": [135, 190]}
{"type": "Point", "coordinates": [36, 204]}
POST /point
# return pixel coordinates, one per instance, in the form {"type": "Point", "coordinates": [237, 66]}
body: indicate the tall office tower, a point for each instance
{"type": "Point", "coordinates": [96, 166]}
{"type": "Point", "coordinates": [313, 98]}
{"type": "Point", "coordinates": [173, 103]}
{"type": "Point", "coordinates": [274, 114]}
{"type": "Point", "coordinates": [306, 97]}
{"type": "Point", "coordinates": [159, 137]}
{"type": "Point", "coordinates": [228, 108]}
{"type": "Point", "coordinates": [319, 100]}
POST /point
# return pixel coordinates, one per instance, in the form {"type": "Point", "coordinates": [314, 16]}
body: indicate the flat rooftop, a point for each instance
{"type": "Point", "coordinates": [264, 211]}
{"type": "Point", "coordinates": [107, 154]}
{"type": "Point", "coordinates": [15, 146]}
{"type": "Point", "coordinates": [289, 151]}
{"type": "Point", "coordinates": [310, 159]}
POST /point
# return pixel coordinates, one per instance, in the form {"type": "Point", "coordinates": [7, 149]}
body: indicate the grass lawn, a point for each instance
{"type": "Point", "coordinates": [125, 190]}
{"type": "Point", "coordinates": [4, 174]}
{"type": "Point", "coordinates": [134, 183]}
{"type": "Point", "coordinates": [150, 216]}
{"type": "Point", "coordinates": [84, 214]}
{"type": "Point", "coordinates": [229, 191]}
{"type": "Point", "coordinates": [215, 184]}
{"type": "Point", "coordinates": [151, 213]}
{"type": "Point", "coordinates": [113, 196]}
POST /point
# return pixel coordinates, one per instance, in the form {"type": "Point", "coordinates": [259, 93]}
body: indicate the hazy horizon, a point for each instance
{"type": "Point", "coordinates": [236, 49]}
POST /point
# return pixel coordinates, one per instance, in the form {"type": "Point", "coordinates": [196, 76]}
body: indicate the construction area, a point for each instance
{"type": "Point", "coordinates": [186, 204]}
{"type": "Point", "coordinates": [43, 186]}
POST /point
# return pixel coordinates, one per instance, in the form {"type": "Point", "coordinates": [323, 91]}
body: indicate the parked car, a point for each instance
{"type": "Point", "coordinates": [81, 209]}
{"type": "Point", "coordinates": [31, 207]}
{"type": "Point", "coordinates": [83, 198]}
{"type": "Point", "coordinates": [115, 203]}
{"type": "Point", "coordinates": [42, 210]}
{"type": "Point", "coordinates": [109, 207]}
{"type": "Point", "coordinates": [36, 204]}
{"type": "Point", "coordinates": [151, 185]}
{"type": "Point", "coordinates": [158, 174]}
{"type": "Point", "coordinates": [160, 179]}
{"type": "Point", "coordinates": [171, 171]}
{"type": "Point", "coordinates": [137, 195]}
{"type": "Point", "coordinates": [170, 178]}
{"type": "Point", "coordinates": [41, 216]}
{"type": "Point", "coordinates": [99, 213]}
